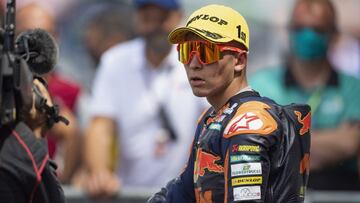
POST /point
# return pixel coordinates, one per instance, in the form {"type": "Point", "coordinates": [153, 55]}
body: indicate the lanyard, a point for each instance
{"type": "Point", "coordinates": [149, 76]}
{"type": "Point", "coordinates": [315, 99]}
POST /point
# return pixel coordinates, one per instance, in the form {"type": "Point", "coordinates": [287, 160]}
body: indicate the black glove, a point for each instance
{"type": "Point", "coordinates": [159, 197]}
{"type": "Point", "coordinates": [51, 112]}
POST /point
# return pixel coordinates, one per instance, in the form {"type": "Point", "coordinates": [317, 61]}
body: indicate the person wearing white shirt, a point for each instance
{"type": "Point", "coordinates": [142, 96]}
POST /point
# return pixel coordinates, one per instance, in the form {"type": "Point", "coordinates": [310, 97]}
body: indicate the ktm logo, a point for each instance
{"type": "Point", "coordinates": [306, 122]}
{"type": "Point", "coordinates": [207, 161]}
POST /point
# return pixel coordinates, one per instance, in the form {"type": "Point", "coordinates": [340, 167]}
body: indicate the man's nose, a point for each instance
{"type": "Point", "coordinates": [194, 61]}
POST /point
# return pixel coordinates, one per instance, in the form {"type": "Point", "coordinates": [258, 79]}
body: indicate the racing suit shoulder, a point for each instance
{"type": "Point", "coordinates": [300, 115]}
{"type": "Point", "coordinates": [252, 117]}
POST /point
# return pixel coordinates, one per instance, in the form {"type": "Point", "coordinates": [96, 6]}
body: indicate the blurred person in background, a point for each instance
{"type": "Point", "coordinates": [106, 25]}
{"type": "Point", "coordinates": [63, 141]}
{"type": "Point", "coordinates": [139, 96]}
{"type": "Point", "coordinates": [308, 77]}
{"type": "Point", "coordinates": [344, 53]}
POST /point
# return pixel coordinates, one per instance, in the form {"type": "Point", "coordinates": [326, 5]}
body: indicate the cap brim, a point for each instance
{"type": "Point", "coordinates": [178, 35]}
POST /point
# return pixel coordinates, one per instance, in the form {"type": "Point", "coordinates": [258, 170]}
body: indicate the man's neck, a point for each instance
{"type": "Point", "coordinates": [310, 75]}
{"type": "Point", "coordinates": [219, 100]}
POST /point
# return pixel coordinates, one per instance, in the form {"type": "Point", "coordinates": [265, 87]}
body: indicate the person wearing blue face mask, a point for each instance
{"type": "Point", "coordinates": [309, 44]}
{"type": "Point", "coordinates": [308, 77]}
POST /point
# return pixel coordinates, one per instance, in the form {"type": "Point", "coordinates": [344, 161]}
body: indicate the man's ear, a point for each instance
{"type": "Point", "coordinates": [241, 61]}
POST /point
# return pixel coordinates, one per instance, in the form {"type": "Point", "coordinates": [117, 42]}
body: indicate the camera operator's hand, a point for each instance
{"type": "Point", "coordinates": [37, 118]}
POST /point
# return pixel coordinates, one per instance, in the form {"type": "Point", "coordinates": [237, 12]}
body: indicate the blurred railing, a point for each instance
{"type": "Point", "coordinates": [127, 195]}
{"type": "Point", "coordinates": [332, 197]}
{"type": "Point", "coordinates": [139, 195]}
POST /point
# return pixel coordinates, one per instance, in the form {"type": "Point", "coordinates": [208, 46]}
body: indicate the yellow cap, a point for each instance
{"type": "Point", "coordinates": [216, 23]}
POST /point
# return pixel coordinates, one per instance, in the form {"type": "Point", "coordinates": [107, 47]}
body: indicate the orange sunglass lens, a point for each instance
{"type": "Point", "coordinates": [207, 52]}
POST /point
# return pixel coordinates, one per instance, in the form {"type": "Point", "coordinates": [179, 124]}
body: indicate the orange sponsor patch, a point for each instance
{"type": "Point", "coordinates": [251, 117]}
{"type": "Point", "coordinates": [305, 164]}
{"type": "Point", "coordinates": [306, 122]}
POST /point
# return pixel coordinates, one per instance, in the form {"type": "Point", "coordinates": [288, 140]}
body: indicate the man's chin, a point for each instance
{"type": "Point", "coordinates": [199, 93]}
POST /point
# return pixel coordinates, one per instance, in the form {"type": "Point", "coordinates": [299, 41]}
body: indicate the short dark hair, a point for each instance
{"type": "Point", "coordinates": [327, 3]}
{"type": "Point", "coordinates": [165, 4]}
{"type": "Point", "coordinates": [112, 19]}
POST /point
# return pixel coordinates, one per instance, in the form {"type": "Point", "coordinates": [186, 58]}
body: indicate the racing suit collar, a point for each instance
{"type": "Point", "coordinates": [243, 94]}
{"type": "Point", "coordinates": [248, 92]}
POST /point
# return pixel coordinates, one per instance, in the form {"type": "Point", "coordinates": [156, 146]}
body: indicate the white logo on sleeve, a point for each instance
{"type": "Point", "coordinates": [244, 122]}
{"type": "Point", "coordinates": [247, 193]}
{"type": "Point", "coordinates": [246, 169]}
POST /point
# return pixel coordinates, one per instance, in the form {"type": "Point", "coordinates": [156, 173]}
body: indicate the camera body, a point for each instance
{"type": "Point", "coordinates": [15, 75]}
{"type": "Point", "coordinates": [31, 55]}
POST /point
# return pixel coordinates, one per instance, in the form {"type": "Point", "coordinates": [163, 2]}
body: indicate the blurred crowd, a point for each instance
{"type": "Point", "coordinates": [132, 112]}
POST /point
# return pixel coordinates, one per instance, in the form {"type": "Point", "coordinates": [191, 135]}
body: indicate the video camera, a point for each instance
{"type": "Point", "coordinates": [31, 55]}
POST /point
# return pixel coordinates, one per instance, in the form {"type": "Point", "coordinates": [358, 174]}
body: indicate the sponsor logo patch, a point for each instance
{"type": "Point", "coordinates": [212, 35]}
{"type": "Point", "coordinates": [231, 109]}
{"type": "Point", "coordinates": [221, 118]}
{"type": "Point", "coordinates": [247, 193]}
{"type": "Point", "coordinates": [244, 157]}
{"type": "Point", "coordinates": [251, 180]}
{"type": "Point", "coordinates": [215, 126]}
{"type": "Point", "coordinates": [206, 17]}
{"type": "Point", "coordinates": [246, 121]}
{"type": "Point", "coordinates": [245, 169]}
{"type": "Point", "coordinates": [251, 117]}
{"type": "Point", "coordinates": [245, 148]}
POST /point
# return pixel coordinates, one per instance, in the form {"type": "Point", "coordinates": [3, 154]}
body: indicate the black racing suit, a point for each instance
{"type": "Point", "coordinates": [26, 173]}
{"type": "Point", "coordinates": [252, 150]}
